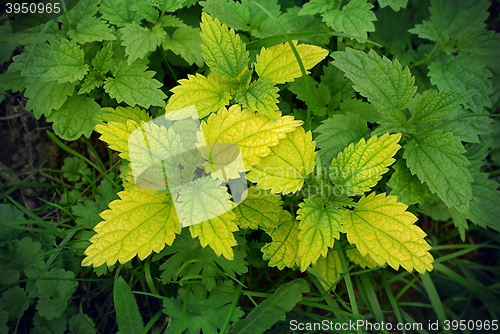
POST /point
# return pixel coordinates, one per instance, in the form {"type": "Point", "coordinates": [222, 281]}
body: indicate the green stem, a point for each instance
{"type": "Point", "coordinates": [170, 69]}
{"type": "Point", "coordinates": [99, 161]}
{"type": "Point", "coordinates": [149, 279]}
{"type": "Point", "coordinates": [308, 115]}
{"type": "Point", "coordinates": [151, 322]}
{"type": "Point", "coordinates": [319, 172]}
{"type": "Point", "coordinates": [348, 282]}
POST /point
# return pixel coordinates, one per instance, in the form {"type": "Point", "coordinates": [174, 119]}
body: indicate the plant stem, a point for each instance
{"type": "Point", "coordinates": [236, 297]}
{"type": "Point", "coordinates": [426, 59]}
{"type": "Point", "coordinates": [184, 308]}
{"type": "Point", "coordinates": [299, 60]}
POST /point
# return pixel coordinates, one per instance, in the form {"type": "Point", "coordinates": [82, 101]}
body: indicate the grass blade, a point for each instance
{"type": "Point", "coordinates": [434, 298]}
{"type": "Point", "coordinates": [392, 300]}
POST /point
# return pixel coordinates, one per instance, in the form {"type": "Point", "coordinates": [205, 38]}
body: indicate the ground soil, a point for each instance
{"type": "Point", "coordinates": [27, 153]}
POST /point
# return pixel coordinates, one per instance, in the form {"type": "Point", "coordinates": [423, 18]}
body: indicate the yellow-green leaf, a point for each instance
{"type": "Point", "coordinates": [284, 169]}
{"type": "Point", "coordinates": [116, 135]}
{"type": "Point", "coordinates": [329, 267]}
{"type": "Point", "coordinates": [279, 65]}
{"type": "Point", "coordinates": [359, 167]}
{"type": "Point", "coordinates": [261, 96]}
{"type": "Point", "coordinates": [205, 206]}
{"type": "Point", "coordinates": [201, 200]}
{"type": "Point", "coordinates": [254, 134]}
{"type": "Point", "coordinates": [382, 228]}
{"type": "Point", "coordinates": [122, 115]}
{"type": "Point", "coordinates": [223, 50]}
{"type": "Point", "coordinates": [217, 233]}
{"type": "Point", "coordinates": [259, 209]}
{"type": "Point", "coordinates": [319, 227]}
{"type": "Point", "coordinates": [137, 224]}
{"type": "Point", "coordinates": [126, 175]}
{"type": "Point", "coordinates": [282, 251]}
{"type": "Point", "coordinates": [363, 261]}
{"type": "Point", "coordinates": [204, 93]}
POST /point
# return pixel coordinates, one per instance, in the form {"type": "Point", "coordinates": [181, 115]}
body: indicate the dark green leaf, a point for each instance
{"type": "Point", "coordinates": [25, 256]}
{"type": "Point", "coordinates": [103, 59]}
{"type": "Point", "coordinates": [14, 298]}
{"type": "Point", "coordinates": [43, 97]}
{"type": "Point", "coordinates": [54, 294]}
{"type": "Point", "coordinates": [383, 82]}
{"type": "Point", "coordinates": [74, 118]}
{"type": "Point", "coordinates": [55, 326]}
{"type": "Point", "coordinates": [81, 324]}
{"type": "Point", "coordinates": [92, 29]}
{"type": "Point", "coordinates": [438, 160]}
{"type": "Point", "coordinates": [118, 12]}
{"type": "Point", "coordinates": [272, 309]}
{"type": "Point", "coordinates": [458, 16]}
{"type": "Point", "coordinates": [435, 105]}
{"type": "Point", "coordinates": [186, 42]}
{"type": "Point", "coordinates": [464, 72]}
{"type": "Point", "coordinates": [8, 212]}
{"type": "Point", "coordinates": [407, 187]}
{"type": "Point", "coordinates": [485, 205]}
{"type": "Point", "coordinates": [203, 314]}
{"type": "Point", "coordinates": [395, 4]}
{"type": "Point", "coordinates": [336, 133]}
{"type": "Point", "coordinates": [139, 41]}
{"type": "Point", "coordinates": [61, 60]}
{"type": "Point", "coordinates": [88, 213]}
{"type": "Point", "coordinates": [170, 5]}
{"type": "Point", "coordinates": [203, 260]}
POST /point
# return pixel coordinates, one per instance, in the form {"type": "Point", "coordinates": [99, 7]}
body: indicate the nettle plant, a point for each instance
{"type": "Point", "coordinates": [278, 155]}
